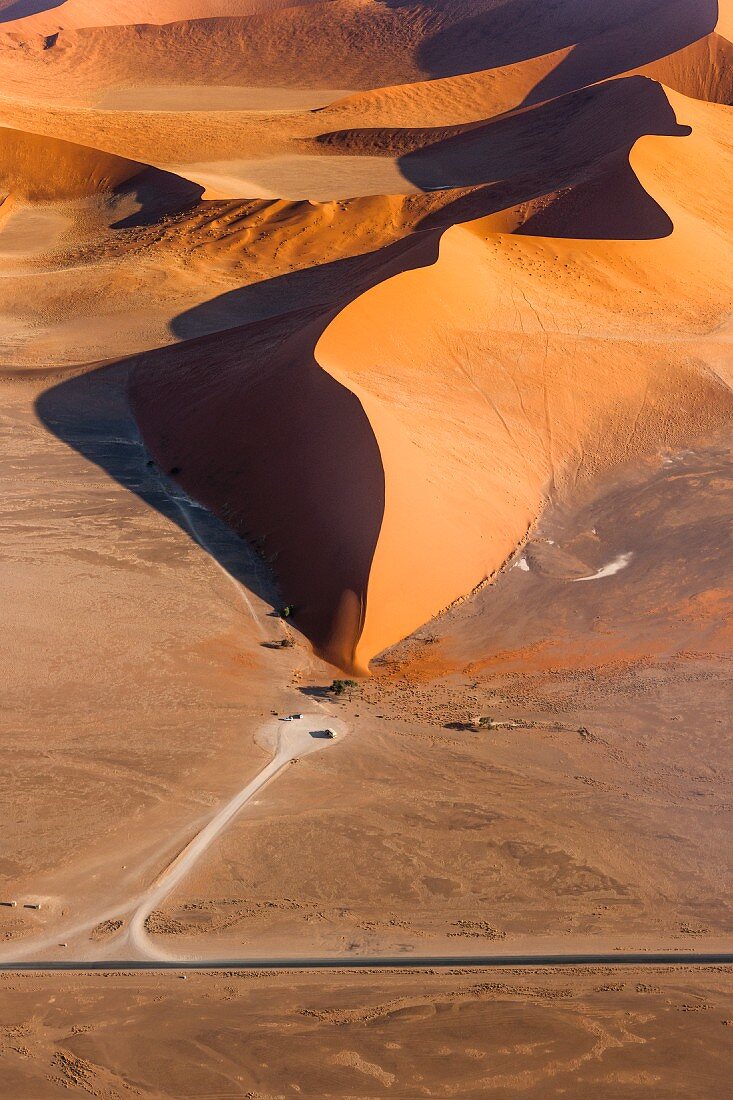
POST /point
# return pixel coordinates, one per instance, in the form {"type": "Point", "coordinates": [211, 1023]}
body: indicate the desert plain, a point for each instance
{"type": "Point", "coordinates": [387, 347]}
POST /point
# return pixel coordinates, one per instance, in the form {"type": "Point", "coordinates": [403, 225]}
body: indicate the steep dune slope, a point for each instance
{"type": "Point", "coordinates": [296, 468]}
{"type": "Point", "coordinates": [703, 70]}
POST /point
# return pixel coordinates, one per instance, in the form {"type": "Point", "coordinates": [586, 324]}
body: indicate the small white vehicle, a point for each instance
{"type": "Point", "coordinates": [330, 734]}
{"type": "Point", "coordinates": [291, 718]}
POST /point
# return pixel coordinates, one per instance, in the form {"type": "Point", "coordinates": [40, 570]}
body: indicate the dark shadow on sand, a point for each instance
{"type": "Point", "coordinates": [23, 8]}
{"type": "Point", "coordinates": [519, 30]}
{"type": "Point", "coordinates": [90, 413]}
{"type": "Point", "coordinates": [624, 48]}
{"type": "Point", "coordinates": [156, 194]}
{"type": "Point", "coordinates": [554, 145]}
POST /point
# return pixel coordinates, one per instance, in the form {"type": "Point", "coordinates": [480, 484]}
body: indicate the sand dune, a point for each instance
{"type": "Point", "coordinates": [46, 169]}
{"type": "Point", "coordinates": [49, 16]}
{"type": "Point", "coordinates": [582, 389]}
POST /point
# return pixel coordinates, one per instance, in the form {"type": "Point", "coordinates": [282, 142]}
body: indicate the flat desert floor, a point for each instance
{"type": "Point", "coordinates": [535, 1034]}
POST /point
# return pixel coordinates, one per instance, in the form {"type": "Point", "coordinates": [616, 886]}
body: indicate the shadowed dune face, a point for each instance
{"type": "Point", "coordinates": [521, 29]}
{"type": "Point", "coordinates": [296, 468]}
{"type": "Point", "coordinates": [44, 168]}
{"type": "Point", "coordinates": [585, 213]}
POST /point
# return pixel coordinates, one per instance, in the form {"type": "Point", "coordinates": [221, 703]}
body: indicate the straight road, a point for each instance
{"type": "Point", "coordinates": [395, 962]}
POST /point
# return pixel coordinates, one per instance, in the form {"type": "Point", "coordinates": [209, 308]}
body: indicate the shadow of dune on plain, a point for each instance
{"type": "Point", "coordinates": [154, 194]}
{"type": "Point", "coordinates": [277, 453]}
{"type": "Point", "coordinates": [91, 414]}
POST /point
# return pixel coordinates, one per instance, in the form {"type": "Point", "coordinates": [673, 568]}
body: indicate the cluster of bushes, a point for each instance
{"type": "Point", "coordinates": [341, 687]}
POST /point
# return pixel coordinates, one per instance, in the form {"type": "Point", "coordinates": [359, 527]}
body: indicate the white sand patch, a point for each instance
{"type": "Point", "coordinates": [321, 178]}
{"type": "Point", "coordinates": [31, 231]}
{"type": "Point", "coordinates": [208, 97]}
{"type": "Point", "coordinates": [354, 1060]}
{"type": "Point", "coordinates": [609, 570]}
{"type": "Point", "coordinates": [522, 564]}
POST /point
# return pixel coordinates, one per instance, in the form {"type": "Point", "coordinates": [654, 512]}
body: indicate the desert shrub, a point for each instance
{"type": "Point", "coordinates": [340, 687]}
{"type": "Point", "coordinates": [483, 723]}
